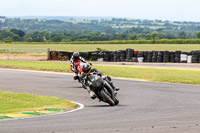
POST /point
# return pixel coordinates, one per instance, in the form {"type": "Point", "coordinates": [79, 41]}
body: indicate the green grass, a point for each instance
{"type": "Point", "coordinates": [18, 102]}
{"type": "Point", "coordinates": [41, 66]}
{"type": "Point", "coordinates": [153, 74]}
{"type": "Point", "coordinates": [150, 74]}
{"type": "Point", "coordinates": [93, 47]}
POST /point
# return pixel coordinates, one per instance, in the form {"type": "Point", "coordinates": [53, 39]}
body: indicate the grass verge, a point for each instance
{"type": "Point", "coordinates": [93, 47]}
{"type": "Point", "coordinates": [18, 102]}
{"type": "Point", "coordinates": [150, 74]}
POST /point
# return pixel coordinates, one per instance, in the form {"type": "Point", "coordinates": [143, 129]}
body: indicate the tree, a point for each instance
{"type": "Point", "coordinates": [110, 31]}
{"type": "Point", "coordinates": [1, 35]}
{"type": "Point", "coordinates": [16, 38]}
{"type": "Point", "coordinates": [182, 35]}
{"type": "Point", "coordinates": [198, 35]}
{"type": "Point", "coordinates": [6, 34]}
{"type": "Point", "coordinates": [57, 38]}
{"type": "Point", "coordinates": [154, 37]}
{"type": "Point", "coordinates": [37, 37]}
{"type": "Point", "coordinates": [28, 38]}
{"type": "Point", "coordinates": [132, 37]}
{"type": "Point", "coordinates": [21, 33]}
{"type": "Point", "coordinates": [8, 40]}
{"type": "Point", "coordinates": [15, 31]}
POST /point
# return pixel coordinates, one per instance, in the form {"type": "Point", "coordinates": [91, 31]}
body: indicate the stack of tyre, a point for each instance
{"type": "Point", "coordinates": [129, 54]}
{"type": "Point", "coordinates": [118, 55]}
{"type": "Point", "coordinates": [172, 57]}
{"type": "Point", "coordinates": [123, 56]}
{"type": "Point", "coordinates": [166, 56]}
{"type": "Point", "coordinates": [115, 56]}
{"type": "Point", "coordinates": [145, 55]}
{"type": "Point", "coordinates": [100, 56]}
{"type": "Point", "coordinates": [160, 56]}
{"type": "Point", "coordinates": [106, 56]}
{"type": "Point", "coordinates": [150, 56]}
{"type": "Point", "coordinates": [154, 56]}
{"type": "Point", "coordinates": [177, 56]}
{"type": "Point", "coordinates": [111, 56]}
{"type": "Point", "coordinates": [94, 56]}
{"type": "Point", "coordinates": [195, 56]}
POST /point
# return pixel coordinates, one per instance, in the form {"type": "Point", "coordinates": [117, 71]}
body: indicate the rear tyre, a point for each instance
{"type": "Point", "coordinates": [107, 98]}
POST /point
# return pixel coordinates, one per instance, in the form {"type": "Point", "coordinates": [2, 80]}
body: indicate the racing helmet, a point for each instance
{"type": "Point", "coordinates": [76, 56]}
{"type": "Point", "coordinates": [86, 68]}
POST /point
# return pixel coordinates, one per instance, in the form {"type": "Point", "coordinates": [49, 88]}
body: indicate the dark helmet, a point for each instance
{"type": "Point", "coordinates": [76, 56]}
{"type": "Point", "coordinates": [86, 68]}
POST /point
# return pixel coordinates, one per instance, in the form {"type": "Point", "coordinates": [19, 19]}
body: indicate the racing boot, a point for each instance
{"type": "Point", "coordinates": [114, 88]}
{"type": "Point", "coordinates": [108, 79]}
{"type": "Point", "coordinates": [92, 95]}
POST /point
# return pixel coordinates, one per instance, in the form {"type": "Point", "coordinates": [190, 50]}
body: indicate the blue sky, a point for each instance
{"type": "Point", "coordinates": [181, 10]}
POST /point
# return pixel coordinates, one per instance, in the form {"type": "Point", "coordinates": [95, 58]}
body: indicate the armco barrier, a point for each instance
{"type": "Point", "coordinates": [129, 55]}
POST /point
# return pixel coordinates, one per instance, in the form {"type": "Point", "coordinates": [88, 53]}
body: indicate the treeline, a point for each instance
{"type": "Point", "coordinates": [58, 26]}
{"type": "Point", "coordinates": [161, 41]}
{"type": "Point", "coordinates": [115, 27]}
{"type": "Point", "coordinates": [17, 35]}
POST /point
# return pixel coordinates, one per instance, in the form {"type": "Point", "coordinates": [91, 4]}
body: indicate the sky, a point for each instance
{"type": "Point", "coordinates": [173, 10]}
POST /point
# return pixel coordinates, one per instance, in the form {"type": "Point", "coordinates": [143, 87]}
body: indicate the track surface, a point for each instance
{"type": "Point", "coordinates": [145, 107]}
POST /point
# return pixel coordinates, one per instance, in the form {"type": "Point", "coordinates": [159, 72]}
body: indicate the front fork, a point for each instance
{"type": "Point", "coordinates": [110, 89]}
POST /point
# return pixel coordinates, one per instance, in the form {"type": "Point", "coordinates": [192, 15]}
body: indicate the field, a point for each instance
{"type": "Point", "coordinates": [93, 47]}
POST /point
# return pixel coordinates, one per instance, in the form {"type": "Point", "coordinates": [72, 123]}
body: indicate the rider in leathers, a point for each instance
{"type": "Point", "coordinates": [84, 76]}
{"type": "Point", "coordinates": [75, 63]}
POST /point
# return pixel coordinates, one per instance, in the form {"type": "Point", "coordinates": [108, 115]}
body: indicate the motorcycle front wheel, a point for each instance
{"type": "Point", "coordinates": [116, 100]}
{"type": "Point", "coordinates": [107, 98]}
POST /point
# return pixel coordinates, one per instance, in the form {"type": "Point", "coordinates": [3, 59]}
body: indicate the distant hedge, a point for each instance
{"type": "Point", "coordinates": [161, 41]}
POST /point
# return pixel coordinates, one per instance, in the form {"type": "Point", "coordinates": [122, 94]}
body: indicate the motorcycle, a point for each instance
{"type": "Point", "coordinates": [102, 89]}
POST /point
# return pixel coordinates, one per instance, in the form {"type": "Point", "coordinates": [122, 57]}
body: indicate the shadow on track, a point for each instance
{"type": "Point", "coordinates": [104, 105]}
{"type": "Point", "coordinates": [77, 87]}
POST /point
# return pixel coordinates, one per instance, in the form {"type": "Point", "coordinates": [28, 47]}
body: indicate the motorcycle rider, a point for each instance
{"type": "Point", "coordinates": [75, 63]}
{"type": "Point", "coordinates": [84, 76]}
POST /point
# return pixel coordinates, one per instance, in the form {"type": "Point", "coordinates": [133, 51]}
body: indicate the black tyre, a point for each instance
{"type": "Point", "coordinates": [107, 98]}
{"type": "Point", "coordinates": [116, 100]}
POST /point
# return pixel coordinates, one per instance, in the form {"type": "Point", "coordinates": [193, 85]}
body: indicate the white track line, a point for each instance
{"type": "Point", "coordinates": [81, 106]}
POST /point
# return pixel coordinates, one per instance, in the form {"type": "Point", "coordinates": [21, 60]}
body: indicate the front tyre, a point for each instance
{"type": "Point", "coordinates": [116, 99]}
{"type": "Point", "coordinates": [107, 98]}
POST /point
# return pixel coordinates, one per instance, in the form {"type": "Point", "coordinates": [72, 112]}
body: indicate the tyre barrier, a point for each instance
{"type": "Point", "coordinates": [130, 55]}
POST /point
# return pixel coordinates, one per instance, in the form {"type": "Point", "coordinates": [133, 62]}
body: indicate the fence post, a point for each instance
{"type": "Point", "coordinates": [7, 54]}
{"type": "Point", "coordinates": [48, 54]}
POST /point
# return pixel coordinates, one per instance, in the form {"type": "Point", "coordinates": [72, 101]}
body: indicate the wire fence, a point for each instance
{"type": "Point", "coordinates": [24, 54]}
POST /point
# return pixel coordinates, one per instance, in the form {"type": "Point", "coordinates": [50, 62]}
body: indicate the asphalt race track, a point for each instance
{"type": "Point", "coordinates": [145, 107]}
